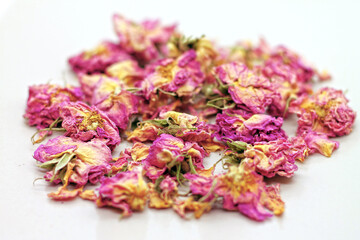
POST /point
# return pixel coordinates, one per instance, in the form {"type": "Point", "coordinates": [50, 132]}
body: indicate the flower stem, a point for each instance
{"type": "Point", "coordinates": [50, 128]}
{"type": "Point", "coordinates": [288, 104]}
{"type": "Point", "coordinates": [192, 167]}
{"type": "Point", "coordinates": [167, 93]}
{"type": "Point", "coordinates": [178, 169]}
{"type": "Point", "coordinates": [213, 185]}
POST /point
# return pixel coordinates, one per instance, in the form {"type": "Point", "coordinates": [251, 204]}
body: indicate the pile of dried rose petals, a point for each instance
{"type": "Point", "coordinates": [158, 89]}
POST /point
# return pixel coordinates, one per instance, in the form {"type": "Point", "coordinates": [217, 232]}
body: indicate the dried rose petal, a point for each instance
{"type": "Point", "coordinates": [275, 157]}
{"type": "Point", "coordinates": [244, 190]}
{"type": "Point", "coordinates": [127, 71]}
{"type": "Point", "coordinates": [258, 128]}
{"type": "Point", "coordinates": [73, 161]}
{"type": "Point", "coordinates": [318, 142]}
{"type": "Point", "coordinates": [142, 39]}
{"type": "Point", "coordinates": [199, 208]}
{"type": "Point", "coordinates": [85, 123]}
{"type": "Point", "coordinates": [126, 191]}
{"type": "Point", "coordinates": [248, 90]}
{"type": "Point", "coordinates": [168, 151]}
{"type": "Point", "coordinates": [98, 59]}
{"type": "Point", "coordinates": [325, 112]}
{"type": "Point", "coordinates": [111, 97]}
{"type": "Point", "coordinates": [181, 76]}
{"type": "Point", "coordinates": [201, 185]}
{"type": "Point", "coordinates": [208, 55]}
{"type": "Point", "coordinates": [163, 195]}
{"type": "Point", "coordinates": [241, 188]}
{"type": "Point", "coordinates": [285, 63]}
{"type": "Point", "coordinates": [88, 84]}
{"type": "Point", "coordinates": [143, 133]}
{"type": "Point", "coordinates": [164, 150]}
{"type": "Point", "coordinates": [44, 102]}
{"type": "Point", "coordinates": [181, 125]}
{"type": "Point", "coordinates": [189, 127]}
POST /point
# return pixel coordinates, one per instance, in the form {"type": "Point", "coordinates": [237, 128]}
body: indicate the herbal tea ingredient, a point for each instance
{"type": "Point", "coordinates": [158, 89]}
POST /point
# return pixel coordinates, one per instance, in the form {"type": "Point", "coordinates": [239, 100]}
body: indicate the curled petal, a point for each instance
{"type": "Point", "coordinates": [73, 161]}
{"type": "Point", "coordinates": [199, 208]}
{"type": "Point", "coordinates": [320, 143]}
{"type": "Point", "coordinates": [98, 59]}
{"type": "Point", "coordinates": [257, 128]}
{"type": "Point", "coordinates": [141, 39]}
{"type": "Point", "coordinates": [85, 123]}
{"type": "Point", "coordinates": [325, 112]}
{"type": "Point", "coordinates": [247, 89]}
{"type": "Point", "coordinates": [126, 191]}
{"type": "Point", "coordinates": [44, 102]}
{"type": "Point", "coordinates": [275, 157]}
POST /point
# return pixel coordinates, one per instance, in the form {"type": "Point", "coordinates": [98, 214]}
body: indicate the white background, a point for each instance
{"type": "Point", "coordinates": [36, 37]}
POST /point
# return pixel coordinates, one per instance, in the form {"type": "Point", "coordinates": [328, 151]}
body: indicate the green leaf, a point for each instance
{"type": "Point", "coordinates": [63, 161]}
{"type": "Point", "coordinates": [159, 122]}
{"type": "Point", "coordinates": [62, 175]}
{"type": "Point", "coordinates": [49, 164]}
{"type": "Point", "coordinates": [237, 146]}
{"type": "Point", "coordinates": [232, 159]}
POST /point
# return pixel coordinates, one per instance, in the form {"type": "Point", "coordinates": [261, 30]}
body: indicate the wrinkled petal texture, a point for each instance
{"type": "Point", "coordinates": [119, 104]}
{"type": "Point", "coordinates": [258, 128]}
{"type": "Point", "coordinates": [85, 123]}
{"type": "Point", "coordinates": [90, 163]}
{"type": "Point", "coordinates": [275, 157]}
{"type": "Point", "coordinates": [44, 101]}
{"type": "Point", "coordinates": [181, 76]}
{"type": "Point", "coordinates": [126, 191]}
{"type": "Point", "coordinates": [326, 112]}
{"type": "Point", "coordinates": [98, 59]}
{"type": "Point", "coordinates": [141, 39]}
{"type": "Point", "coordinates": [244, 190]}
{"type": "Point", "coordinates": [246, 88]}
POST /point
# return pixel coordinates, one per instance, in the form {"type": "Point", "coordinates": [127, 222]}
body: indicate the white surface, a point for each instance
{"type": "Point", "coordinates": [36, 37]}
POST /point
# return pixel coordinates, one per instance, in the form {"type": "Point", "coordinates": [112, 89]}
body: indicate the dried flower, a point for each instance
{"type": "Point", "coordinates": [126, 191]}
{"type": "Point", "coordinates": [163, 193]}
{"type": "Point", "coordinates": [111, 97]}
{"type": "Point", "coordinates": [142, 39]}
{"type": "Point", "coordinates": [180, 77]}
{"type": "Point", "coordinates": [127, 71]}
{"type": "Point", "coordinates": [244, 190]}
{"type": "Point", "coordinates": [168, 153]}
{"type": "Point", "coordinates": [44, 102]}
{"type": "Point", "coordinates": [98, 59]}
{"type": "Point", "coordinates": [248, 90]}
{"type": "Point", "coordinates": [326, 112]}
{"type": "Point", "coordinates": [257, 128]}
{"type": "Point", "coordinates": [73, 161]}
{"type": "Point", "coordinates": [85, 123]}
{"type": "Point", "coordinates": [199, 208]}
{"type": "Point", "coordinates": [275, 157]}
{"type": "Point", "coordinates": [159, 87]}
